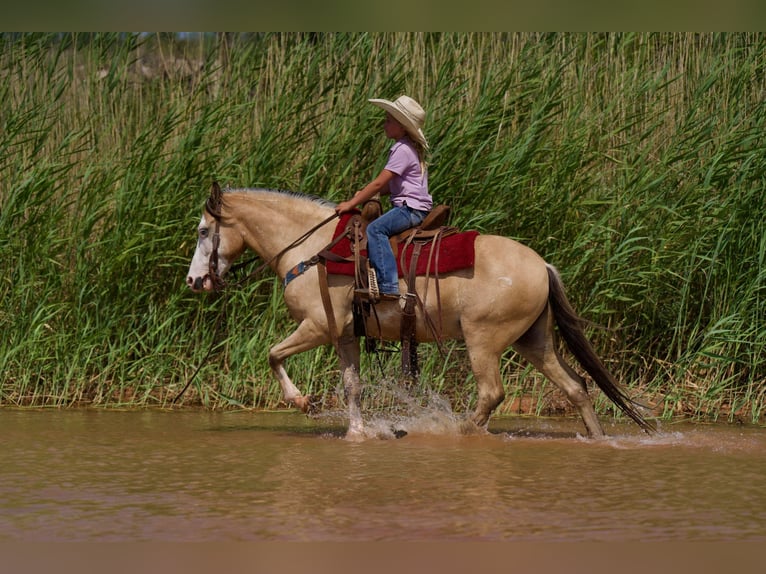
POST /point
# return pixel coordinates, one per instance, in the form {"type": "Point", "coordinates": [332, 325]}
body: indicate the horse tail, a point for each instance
{"type": "Point", "coordinates": [571, 328]}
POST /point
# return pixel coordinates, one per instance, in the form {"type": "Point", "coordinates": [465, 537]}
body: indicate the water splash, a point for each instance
{"type": "Point", "coordinates": [413, 409]}
{"type": "Point", "coordinates": [393, 409]}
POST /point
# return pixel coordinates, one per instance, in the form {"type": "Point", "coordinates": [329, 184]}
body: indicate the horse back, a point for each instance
{"type": "Point", "coordinates": [506, 289]}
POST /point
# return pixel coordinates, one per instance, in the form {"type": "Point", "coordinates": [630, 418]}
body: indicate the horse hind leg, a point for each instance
{"type": "Point", "coordinates": [485, 364]}
{"type": "Point", "coordinates": [538, 346]}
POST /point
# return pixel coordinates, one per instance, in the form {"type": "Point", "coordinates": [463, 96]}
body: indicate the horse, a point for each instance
{"type": "Point", "coordinates": [510, 297]}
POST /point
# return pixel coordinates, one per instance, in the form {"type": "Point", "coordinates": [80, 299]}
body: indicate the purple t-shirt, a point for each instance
{"type": "Point", "coordinates": [410, 184]}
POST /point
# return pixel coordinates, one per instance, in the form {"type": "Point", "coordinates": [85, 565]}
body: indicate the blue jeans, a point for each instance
{"type": "Point", "coordinates": [379, 252]}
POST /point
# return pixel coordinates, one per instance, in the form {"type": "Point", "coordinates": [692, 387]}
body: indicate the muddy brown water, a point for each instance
{"type": "Point", "coordinates": [85, 475]}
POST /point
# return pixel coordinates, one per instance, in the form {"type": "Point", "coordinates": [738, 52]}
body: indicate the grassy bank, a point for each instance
{"type": "Point", "coordinates": [632, 162]}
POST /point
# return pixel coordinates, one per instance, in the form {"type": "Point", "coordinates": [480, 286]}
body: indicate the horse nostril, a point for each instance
{"type": "Point", "coordinates": [197, 284]}
{"type": "Point", "coordinates": [189, 281]}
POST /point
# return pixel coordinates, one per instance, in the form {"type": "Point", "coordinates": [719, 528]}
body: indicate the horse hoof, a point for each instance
{"type": "Point", "coordinates": [469, 427]}
{"type": "Point", "coordinates": [313, 405]}
{"type": "Point", "coordinates": [399, 433]}
{"type": "Point", "coordinates": [307, 405]}
{"type": "Point", "coordinates": [355, 435]}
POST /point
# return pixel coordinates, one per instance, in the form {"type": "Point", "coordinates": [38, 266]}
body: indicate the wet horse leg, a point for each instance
{"type": "Point", "coordinates": [307, 336]}
{"type": "Point", "coordinates": [538, 346]}
{"type": "Point", "coordinates": [349, 354]}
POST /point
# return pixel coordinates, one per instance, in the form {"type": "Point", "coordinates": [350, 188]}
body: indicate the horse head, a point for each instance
{"type": "Point", "coordinates": [218, 245]}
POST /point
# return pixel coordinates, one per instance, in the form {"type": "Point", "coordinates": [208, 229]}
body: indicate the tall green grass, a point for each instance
{"type": "Point", "coordinates": [633, 162]}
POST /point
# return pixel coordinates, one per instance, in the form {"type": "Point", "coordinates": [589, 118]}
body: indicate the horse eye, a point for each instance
{"type": "Point", "coordinates": [203, 232]}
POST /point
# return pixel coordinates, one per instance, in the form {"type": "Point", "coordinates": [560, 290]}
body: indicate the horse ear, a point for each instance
{"type": "Point", "coordinates": [215, 201]}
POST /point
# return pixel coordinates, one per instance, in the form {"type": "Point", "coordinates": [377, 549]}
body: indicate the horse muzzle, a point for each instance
{"type": "Point", "coordinates": [198, 284]}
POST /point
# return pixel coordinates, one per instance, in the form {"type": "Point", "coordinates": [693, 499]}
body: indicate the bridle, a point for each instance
{"type": "Point", "coordinates": [213, 206]}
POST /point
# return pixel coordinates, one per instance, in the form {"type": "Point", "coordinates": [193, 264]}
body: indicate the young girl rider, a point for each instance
{"type": "Point", "coordinates": [405, 179]}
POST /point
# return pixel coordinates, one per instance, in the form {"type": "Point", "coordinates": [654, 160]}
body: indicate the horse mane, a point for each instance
{"type": "Point", "coordinates": [296, 194]}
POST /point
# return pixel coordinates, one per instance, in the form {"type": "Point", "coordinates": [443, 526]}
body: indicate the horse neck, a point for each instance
{"type": "Point", "coordinates": [270, 221]}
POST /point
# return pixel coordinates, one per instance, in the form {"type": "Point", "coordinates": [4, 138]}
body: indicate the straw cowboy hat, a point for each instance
{"type": "Point", "coordinates": [407, 112]}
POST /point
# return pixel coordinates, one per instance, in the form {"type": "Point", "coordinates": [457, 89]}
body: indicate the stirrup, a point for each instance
{"type": "Point", "coordinates": [372, 282]}
{"type": "Point", "coordinates": [365, 294]}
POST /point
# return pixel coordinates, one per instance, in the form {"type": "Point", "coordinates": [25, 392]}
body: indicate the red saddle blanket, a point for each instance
{"type": "Point", "coordinates": [455, 252]}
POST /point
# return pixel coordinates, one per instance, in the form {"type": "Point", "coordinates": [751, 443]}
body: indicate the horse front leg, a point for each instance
{"type": "Point", "coordinates": [306, 337]}
{"type": "Point", "coordinates": [349, 354]}
{"type": "Point", "coordinates": [309, 336]}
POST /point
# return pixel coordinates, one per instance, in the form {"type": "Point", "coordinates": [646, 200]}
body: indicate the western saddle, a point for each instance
{"type": "Point", "coordinates": [431, 230]}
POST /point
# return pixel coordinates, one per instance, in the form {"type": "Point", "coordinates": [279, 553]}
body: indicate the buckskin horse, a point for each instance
{"type": "Point", "coordinates": [509, 297]}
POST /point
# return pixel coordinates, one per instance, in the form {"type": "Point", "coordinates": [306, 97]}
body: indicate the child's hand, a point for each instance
{"type": "Point", "coordinates": [344, 206]}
